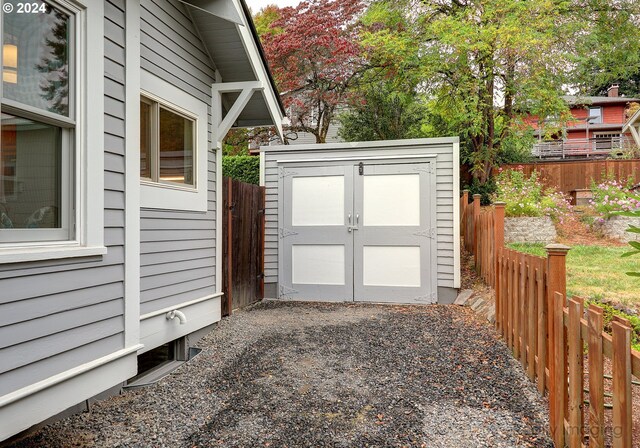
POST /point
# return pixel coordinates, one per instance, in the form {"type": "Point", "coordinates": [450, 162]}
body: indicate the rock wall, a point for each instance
{"type": "Point", "coordinates": [616, 227]}
{"type": "Point", "coordinates": [529, 230]}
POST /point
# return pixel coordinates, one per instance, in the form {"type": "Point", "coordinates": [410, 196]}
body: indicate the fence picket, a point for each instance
{"type": "Point", "coordinates": [542, 328]}
{"type": "Point", "coordinates": [596, 377]}
{"type": "Point", "coordinates": [576, 373]}
{"type": "Point", "coordinates": [531, 321]}
{"type": "Point", "coordinates": [559, 377]}
{"type": "Point", "coordinates": [622, 423]}
{"type": "Point", "coordinates": [523, 311]}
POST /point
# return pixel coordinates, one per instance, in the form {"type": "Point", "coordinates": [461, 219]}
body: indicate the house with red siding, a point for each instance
{"type": "Point", "coordinates": [595, 129]}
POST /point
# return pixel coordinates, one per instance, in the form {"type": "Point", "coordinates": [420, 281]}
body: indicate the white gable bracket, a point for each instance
{"type": "Point", "coordinates": [246, 89]}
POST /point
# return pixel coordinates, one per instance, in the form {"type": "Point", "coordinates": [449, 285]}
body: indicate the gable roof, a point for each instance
{"type": "Point", "coordinates": [228, 33]}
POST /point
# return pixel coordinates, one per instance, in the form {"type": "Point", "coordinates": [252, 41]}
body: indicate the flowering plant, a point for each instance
{"type": "Point", "coordinates": [526, 196]}
{"type": "Point", "coordinates": [611, 196]}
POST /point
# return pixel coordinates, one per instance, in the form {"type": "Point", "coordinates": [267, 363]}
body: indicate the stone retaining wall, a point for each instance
{"type": "Point", "coordinates": [529, 230]}
{"type": "Point", "coordinates": [616, 227]}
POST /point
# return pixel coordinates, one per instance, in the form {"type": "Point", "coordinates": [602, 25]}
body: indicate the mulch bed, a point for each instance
{"type": "Point", "coordinates": [316, 375]}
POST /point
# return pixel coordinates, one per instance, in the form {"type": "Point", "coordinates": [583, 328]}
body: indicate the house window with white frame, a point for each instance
{"type": "Point", "coordinates": [595, 115]}
{"type": "Point", "coordinates": [174, 146]}
{"type": "Point", "coordinates": [167, 144]}
{"type": "Point", "coordinates": [38, 141]}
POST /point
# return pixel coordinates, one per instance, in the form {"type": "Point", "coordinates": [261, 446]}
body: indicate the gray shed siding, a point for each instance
{"type": "Point", "coordinates": [56, 315]}
{"type": "Point", "coordinates": [177, 249]}
{"type": "Point", "coordinates": [444, 201]}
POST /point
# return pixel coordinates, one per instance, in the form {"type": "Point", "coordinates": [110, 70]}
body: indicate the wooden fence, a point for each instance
{"type": "Point", "coordinates": [243, 244]}
{"type": "Point", "coordinates": [575, 175]}
{"type": "Point", "coordinates": [552, 336]}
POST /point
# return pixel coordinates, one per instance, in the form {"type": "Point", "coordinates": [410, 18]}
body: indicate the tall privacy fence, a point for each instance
{"type": "Point", "coordinates": [557, 343]}
{"type": "Point", "coordinates": [243, 244]}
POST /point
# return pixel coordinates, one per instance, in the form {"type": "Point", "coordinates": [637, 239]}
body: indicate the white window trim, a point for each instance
{"type": "Point", "coordinates": [89, 146]}
{"type": "Point", "coordinates": [168, 196]}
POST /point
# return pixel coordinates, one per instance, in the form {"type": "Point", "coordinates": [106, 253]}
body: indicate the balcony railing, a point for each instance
{"type": "Point", "coordinates": [581, 147]}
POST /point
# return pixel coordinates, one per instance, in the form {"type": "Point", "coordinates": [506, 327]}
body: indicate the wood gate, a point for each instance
{"type": "Point", "coordinates": [243, 230]}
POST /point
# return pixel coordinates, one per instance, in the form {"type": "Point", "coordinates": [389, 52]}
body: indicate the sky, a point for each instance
{"type": "Point", "coordinates": [257, 5]}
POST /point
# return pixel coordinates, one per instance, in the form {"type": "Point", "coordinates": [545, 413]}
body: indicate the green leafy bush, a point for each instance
{"type": "Point", "coordinates": [243, 168]}
{"type": "Point", "coordinates": [486, 190]}
{"type": "Point", "coordinates": [526, 196]}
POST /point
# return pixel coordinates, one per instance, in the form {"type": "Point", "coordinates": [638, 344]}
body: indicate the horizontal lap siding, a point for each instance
{"type": "Point", "coordinates": [444, 206]}
{"type": "Point", "coordinates": [177, 249]}
{"type": "Point", "coordinates": [59, 314]}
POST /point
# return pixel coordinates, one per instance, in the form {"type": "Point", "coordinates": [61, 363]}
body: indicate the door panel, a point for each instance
{"type": "Point", "coordinates": [393, 242]}
{"type": "Point", "coordinates": [317, 245]}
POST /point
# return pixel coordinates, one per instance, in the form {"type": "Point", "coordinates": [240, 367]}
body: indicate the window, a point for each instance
{"type": "Point", "coordinates": [167, 144]}
{"type": "Point", "coordinates": [38, 125]}
{"type": "Point", "coordinates": [174, 154]}
{"type": "Point", "coordinates": [52, 130]}
{"type": "Point", "coordinates": [595, 115]}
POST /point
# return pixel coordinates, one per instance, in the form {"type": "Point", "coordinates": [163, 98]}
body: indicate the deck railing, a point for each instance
{"type": "Point", "coordinates": [580, 147]}
{"type": "Point", "coordinates": [551, 335]}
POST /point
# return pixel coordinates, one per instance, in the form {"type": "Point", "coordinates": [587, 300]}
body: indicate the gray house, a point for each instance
{"type": "Point", "coordinates": [113, 114]}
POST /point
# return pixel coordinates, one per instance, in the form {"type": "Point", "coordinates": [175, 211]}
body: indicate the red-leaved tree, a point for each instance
{"type": "Point", "coordinates": [315, 57]}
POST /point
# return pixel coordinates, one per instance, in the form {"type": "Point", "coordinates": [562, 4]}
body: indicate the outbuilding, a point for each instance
{"type": "Point", "coordinates": [364, 222]}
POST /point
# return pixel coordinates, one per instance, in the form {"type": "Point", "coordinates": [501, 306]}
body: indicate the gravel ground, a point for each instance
{"type": "Point", "coordinates": [327, 375]}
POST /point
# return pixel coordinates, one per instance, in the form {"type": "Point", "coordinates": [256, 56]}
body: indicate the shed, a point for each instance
{"type": "Point", "coordinates": [368, 221]}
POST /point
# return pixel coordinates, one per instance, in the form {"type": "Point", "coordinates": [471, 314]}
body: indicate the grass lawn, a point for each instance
{"type": "Point", "coordinates": [597, 272]}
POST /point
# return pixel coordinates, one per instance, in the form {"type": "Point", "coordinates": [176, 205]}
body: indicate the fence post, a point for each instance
{"type": "Point", "coordinates": [498, 229]}
{"type": "Point", "coordinates": [465, 202]}
{"type": "Point", "coordinates": [476, 224]}
{"type": "Point", "coordinates": [558, 379]}
{"type": "Point", "coordinates": [556, 284]}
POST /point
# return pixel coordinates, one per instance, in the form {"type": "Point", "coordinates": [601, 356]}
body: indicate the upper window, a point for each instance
{"type": "Point", "coordinates": [38, 123]}
{"type": "Point", "coordinates": [167, 144]}
{"type": "Point", "coordinates": [595, 115]}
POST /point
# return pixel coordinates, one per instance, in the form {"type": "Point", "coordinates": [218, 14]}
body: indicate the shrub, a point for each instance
{"type": "Point", "coordinates": [243, 168]}
{"type": "Point", "coordinates": [525, 196]}
{"type": "Point", "coordinates": [486, 190]}
{"type": "Point", "coordinates": [612, 196]}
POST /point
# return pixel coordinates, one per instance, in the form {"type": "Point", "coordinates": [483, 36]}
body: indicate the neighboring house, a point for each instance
{"type": "Point", "coordinates": [596, 128]}
{"type": "Point", "coordinates": [113, 114]}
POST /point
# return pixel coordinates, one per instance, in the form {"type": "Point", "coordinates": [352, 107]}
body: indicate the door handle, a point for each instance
{"type": "Point", "coordinates": [349, 217]}
{"type": "Point", "coordinates": [357, 218]}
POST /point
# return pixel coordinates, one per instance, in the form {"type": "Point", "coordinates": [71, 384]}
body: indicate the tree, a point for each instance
{"type": "Point", "coordinates": [486, 64]}
{"type": "Point", "coordinates": [54, 86]}
{"type": "Point", "coordinates": [610, 52]}
{"type": "Point", "coordinates": [387, 103]}
{"type": "Point", "coordinates": [315, 58]}
{"type": "Point", "coordinates": [382, 112]}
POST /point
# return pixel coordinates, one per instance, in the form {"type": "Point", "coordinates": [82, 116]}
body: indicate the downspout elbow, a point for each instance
{"type": "Point", "coordinates": [179, 314]}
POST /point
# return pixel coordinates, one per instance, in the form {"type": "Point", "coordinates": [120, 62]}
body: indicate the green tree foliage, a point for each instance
{"type": "Point", "coordinates": [382, 113]}
{"type": "Point", "coordinates": [243, 168]}
{"type": "Point", "coordinates": [608, 51]}
{"type": "Point", "coordinates": [264, 19]}
{"type": "Point", "coordinates": [487, 64]}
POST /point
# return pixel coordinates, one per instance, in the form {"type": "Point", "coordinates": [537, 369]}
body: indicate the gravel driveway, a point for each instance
{"type": "Point", "coordinates": [320, 375]}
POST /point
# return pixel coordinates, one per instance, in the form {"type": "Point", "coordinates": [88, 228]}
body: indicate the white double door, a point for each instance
{"type": "Point", "coordinates": [358, 232]}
